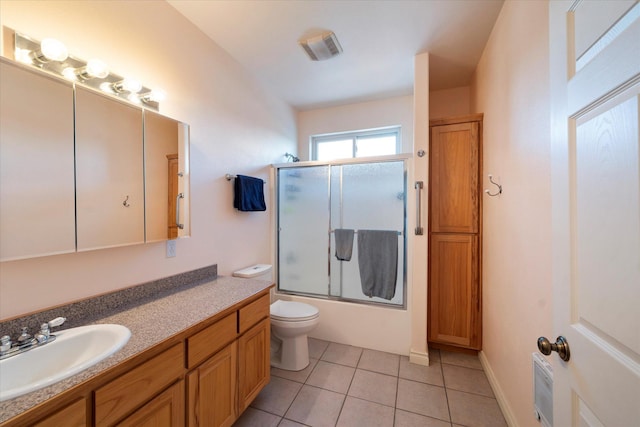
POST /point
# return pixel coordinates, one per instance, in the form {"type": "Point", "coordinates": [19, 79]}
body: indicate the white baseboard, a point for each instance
{"type": "Point", "coordinates": [497, 390]}
{"type": "Point", "coordinates": [419, 358]}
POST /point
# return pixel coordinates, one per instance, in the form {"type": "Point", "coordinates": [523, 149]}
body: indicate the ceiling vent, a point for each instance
{"type": "Point", "coordinates": [321, 47]}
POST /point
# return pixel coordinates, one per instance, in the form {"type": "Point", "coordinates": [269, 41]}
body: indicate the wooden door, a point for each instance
{"type": "Point", "coordinates": [454, 308]}
{"type": "Point", "coordinates": [37, 189]}
{"type": "Point", "coordinates": [212, 390]}
{"type": "Point", "coordinates": [166, 410]}
{"type": "Point", "coordinates": [253, 363]}
{"type": "Point", "coordinates": [109, 172]}
{"type": "Point", "coordinates": [595, 87]}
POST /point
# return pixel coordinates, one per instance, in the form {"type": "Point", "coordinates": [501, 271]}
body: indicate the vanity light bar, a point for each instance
{"type": "Point", "coordinates": [52, 56]}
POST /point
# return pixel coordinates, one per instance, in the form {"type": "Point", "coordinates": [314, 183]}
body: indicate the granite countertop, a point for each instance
{"type": "Point", "coordinates": [151, 322]}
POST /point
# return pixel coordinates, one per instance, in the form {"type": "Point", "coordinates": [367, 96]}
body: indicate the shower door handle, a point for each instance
{"type": "Point", "coordinates": [419, 229]}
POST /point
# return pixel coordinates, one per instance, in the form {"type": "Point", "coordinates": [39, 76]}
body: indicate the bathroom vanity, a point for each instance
{"type": "Point", "coordinates": [198, 355]}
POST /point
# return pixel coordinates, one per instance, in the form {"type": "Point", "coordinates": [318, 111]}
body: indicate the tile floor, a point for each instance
{"type": "Point", "coordinates": [347, 386]}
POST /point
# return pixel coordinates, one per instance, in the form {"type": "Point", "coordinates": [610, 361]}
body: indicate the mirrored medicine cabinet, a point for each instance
{"type": "Point", "coordinates": [81, 170]}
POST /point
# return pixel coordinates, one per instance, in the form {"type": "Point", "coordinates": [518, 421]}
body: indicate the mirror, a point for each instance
{"type": "Point", "coordinates": [107, 174]}
{"type": "Point", "coordinates": [166, 149]}
{"type": "Point", "coordinates": [37, 194]}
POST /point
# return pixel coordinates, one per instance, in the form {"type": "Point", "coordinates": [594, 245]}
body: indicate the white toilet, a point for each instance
{"type": "Point", "coordinates": [290, 323]}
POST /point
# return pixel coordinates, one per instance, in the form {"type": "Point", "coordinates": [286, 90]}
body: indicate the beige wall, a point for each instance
{"type": "Point", "coordinates": [511, 88]}
{"type": "Point", "coordinates": [420, 243]}
{"type": "Point", "coordinates": [236, 127]}
{"type": "Point", "coordinates": [450, 102]}
{"type": "Point", "coordinates": [396, 111]}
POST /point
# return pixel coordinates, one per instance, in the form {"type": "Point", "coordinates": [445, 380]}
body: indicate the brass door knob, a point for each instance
{"type": "Point", "coordinates": [561, 346]}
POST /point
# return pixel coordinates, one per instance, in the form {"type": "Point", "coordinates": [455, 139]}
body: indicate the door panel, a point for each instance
{"type": "Point", "coordinates": [607, 235]}
{"type": "Point", "coordinates": [453, 291]}
{"type": "Point", "coordinates": [212, 390]}
{"type": "Point", "coordinates": [596, 216]}
{"type": "Point", "coordinates": [454, 178]}
{"type": "Point", "coordinates": [254, 370]}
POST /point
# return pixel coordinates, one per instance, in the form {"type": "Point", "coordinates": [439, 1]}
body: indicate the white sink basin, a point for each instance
{"type": "Point", "coordinates": [74, 350]}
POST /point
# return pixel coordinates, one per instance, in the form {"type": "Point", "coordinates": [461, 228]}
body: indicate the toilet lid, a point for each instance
{"type": "Point", "coordinates": [290, 310]}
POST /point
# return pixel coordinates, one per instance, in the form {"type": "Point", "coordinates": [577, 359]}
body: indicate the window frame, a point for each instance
{"type": "Point", "coordinates": [354, 136]}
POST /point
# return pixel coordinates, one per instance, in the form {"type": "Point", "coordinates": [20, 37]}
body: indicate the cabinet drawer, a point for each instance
{"type": "Point", "coordinates": [74, 415]}
{"type": "Point", "coordinates": [137, 386]}
{"type": "Point", "coordinates": [253, 313]}
{"type": "Point", "coordinates": [208, 341]}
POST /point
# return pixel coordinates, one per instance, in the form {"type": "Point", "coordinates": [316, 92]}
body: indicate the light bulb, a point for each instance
{"type": "Point", "coordinates": [128, 85]}
{"type": "Point", "coordinates": [106, 87]}
{"type": "Point", "coordinates": [134, 98]}
{"type": "Point", "coordinates": [156, 95]}
{"type": "Point", "coordinates": [69, 73]}
{"type": "Point", "coordinates": [54, 50]}
{"type": "Point", "coordinates": [23, 55]}
{"type": "Point", "coordinates": [96, 68]}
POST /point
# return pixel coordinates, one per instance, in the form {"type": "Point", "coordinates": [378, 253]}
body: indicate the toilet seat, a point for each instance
{"type": "Point", "coordinates": [291, 311]}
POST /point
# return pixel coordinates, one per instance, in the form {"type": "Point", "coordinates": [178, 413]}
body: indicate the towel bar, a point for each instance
{"type": "Point", "coordinates": [229, 177]}
{"type": "Point", "coordinates": [356, 232]}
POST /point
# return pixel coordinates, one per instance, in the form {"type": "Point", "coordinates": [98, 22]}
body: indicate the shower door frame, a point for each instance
{"type": "Point", "coordinates": [404, 158]}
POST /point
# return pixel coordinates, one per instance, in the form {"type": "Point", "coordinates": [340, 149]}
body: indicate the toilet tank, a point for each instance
{"type": "Point", "coordinates": [257, 271]}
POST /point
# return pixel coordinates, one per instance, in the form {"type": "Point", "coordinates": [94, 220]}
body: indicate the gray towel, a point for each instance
{"type": "Point", "coordinates": [378, 262]}
{"type": "Point", "coordinates": [344, 243]}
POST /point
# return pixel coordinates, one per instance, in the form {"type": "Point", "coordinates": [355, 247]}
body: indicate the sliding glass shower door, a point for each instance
{"type": "Point", "coordinates": [315, 200]}
{"type": "Point", "coordinates": [303, 218]}
{"type": "Point", "coordinates": [367, 196]}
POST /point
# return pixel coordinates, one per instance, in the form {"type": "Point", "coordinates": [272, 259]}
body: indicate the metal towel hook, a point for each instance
{"type": "Point", "coordinates": [497, 185]}
{"type": "Point", "coordinates": [126, 202]}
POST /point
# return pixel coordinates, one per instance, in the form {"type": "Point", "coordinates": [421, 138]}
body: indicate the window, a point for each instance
{"type": "Point", "coordinates": [373, 142]}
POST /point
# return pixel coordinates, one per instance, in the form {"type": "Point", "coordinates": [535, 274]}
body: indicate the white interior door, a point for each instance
{"type": "Point", "coordinates": [595, 84]}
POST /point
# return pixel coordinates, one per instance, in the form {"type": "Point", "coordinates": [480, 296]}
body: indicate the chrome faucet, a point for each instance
{"type": "Point", "coordinates": [26, 341]}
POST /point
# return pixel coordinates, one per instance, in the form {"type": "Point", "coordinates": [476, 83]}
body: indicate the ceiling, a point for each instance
{"type": "Point", "coordinates": [379, 38]}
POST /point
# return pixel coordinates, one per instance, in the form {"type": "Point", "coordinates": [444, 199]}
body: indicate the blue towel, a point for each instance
{"type": "Point", "coordinates": [249, 194]}
{"type": "Point", "coordinates": [378, 262]}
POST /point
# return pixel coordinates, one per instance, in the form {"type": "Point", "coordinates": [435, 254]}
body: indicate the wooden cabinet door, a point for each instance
{"type": "Point", "coordinates": [37, 189]}
{"type": "Point", "coordinates": [212, 390]}
{"type": "Point", "coordinates": [253, 362]}
{"type": "Point", "coordinates": [109, 172]}
{"type": "Point", "coordinates": [454, 300]}
{"type": "Point", "coordinates": [454, 180]}
{"type": "Point", "coordinates": [165, 410]}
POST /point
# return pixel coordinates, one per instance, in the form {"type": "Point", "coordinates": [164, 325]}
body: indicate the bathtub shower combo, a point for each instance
{"type": "Point", "coordinates": [342, 230]}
